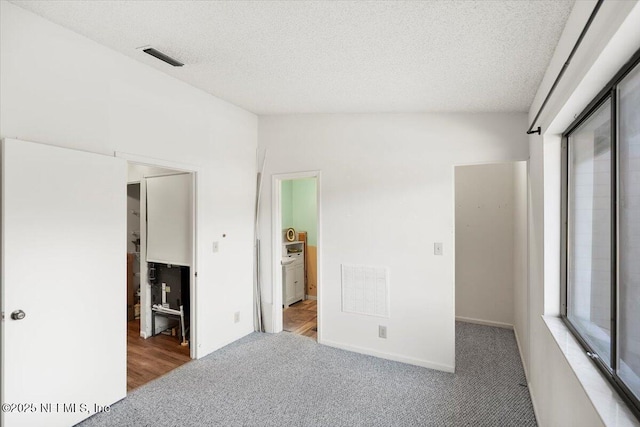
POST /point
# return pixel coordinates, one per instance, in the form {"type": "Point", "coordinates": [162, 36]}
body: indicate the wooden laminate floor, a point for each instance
{"type": "Point", "coordinates": [148, 359]}
{"type": "Point", "coordinates": [302, 318]}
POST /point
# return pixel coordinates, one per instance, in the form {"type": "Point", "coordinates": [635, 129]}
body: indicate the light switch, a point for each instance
{"type": "Point", "coordinates": [437, 248]}
{"type": "Point", "coordinates": [215, 246]}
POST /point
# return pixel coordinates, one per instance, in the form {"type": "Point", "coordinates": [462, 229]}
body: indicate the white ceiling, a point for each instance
{"type": "Point", "coordinates": [329, 57]}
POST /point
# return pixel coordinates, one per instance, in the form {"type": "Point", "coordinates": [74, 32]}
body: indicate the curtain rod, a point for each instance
{"type": "Point", "coordinates": [564, 68]}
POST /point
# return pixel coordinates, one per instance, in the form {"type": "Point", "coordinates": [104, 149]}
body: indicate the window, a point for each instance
{"type": "Point", "coordinates": [601, 231]}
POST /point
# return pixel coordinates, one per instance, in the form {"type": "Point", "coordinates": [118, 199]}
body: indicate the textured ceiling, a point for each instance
{"type": "Point", "coordinates": [349, 56]}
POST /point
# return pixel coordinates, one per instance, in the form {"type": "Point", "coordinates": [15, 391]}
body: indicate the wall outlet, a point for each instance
{"type": "Point", "coordinates": [236, 317]}
{"type": "Point", "coordinates": [437, 248]}
{"type": "Point", "coordinates": [382, 331]}
{"type": "Point", "coordinates": [215, 246]}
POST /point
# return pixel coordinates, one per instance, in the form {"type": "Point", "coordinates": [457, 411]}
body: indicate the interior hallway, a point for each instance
{"type": "Point", "coordinates": [151, 358]}
{"type": "Point", "coordinates": [302, 318]}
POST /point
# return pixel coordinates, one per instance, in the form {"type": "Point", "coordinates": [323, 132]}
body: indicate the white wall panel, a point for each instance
{"type": "Point", "coordinates": [169, 213]}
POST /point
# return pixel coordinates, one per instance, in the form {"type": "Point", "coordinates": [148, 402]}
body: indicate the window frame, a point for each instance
{"type": "Point", "coordinates": [609, 92]}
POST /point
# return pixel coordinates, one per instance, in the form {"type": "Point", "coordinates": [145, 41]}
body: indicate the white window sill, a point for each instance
{"type": "Point", "coordinates": [609, 405]}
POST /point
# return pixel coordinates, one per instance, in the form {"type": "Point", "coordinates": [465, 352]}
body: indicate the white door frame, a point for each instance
{"type": "Point", "coordinates": [193, 288]}
{"type": "Point", "coordinates": [276, 242]}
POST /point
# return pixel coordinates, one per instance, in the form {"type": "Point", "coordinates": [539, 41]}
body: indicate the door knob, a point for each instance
{"type": "Point", "coordinates": [18, 315]}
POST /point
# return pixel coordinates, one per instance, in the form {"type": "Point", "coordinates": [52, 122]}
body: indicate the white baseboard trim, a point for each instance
{"type": "Point", "coordinates": [484, 322]}
{"type": "Point", "coordinates": [313, 297]}
{"type": "Point", "coordinates": [390, 356]}
{"type": "Point", "coordinates": [524, 365]}
{"type": "Point", "coordinates": [533, 403]}
{"type": "Point", "coordinates": [526, 375]}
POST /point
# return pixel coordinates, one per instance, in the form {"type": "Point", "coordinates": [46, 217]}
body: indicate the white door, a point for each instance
{"type": "Point", "coordinates": [169, 219]}
{"type": "Point", "coordinates": [299, 280]}
{"type": "Point", "coordinates": [64, 267]}
{"type": "Point", "coordinates": [289, 284]}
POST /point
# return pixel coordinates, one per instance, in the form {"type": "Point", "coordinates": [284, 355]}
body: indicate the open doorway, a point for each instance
{"type": "Point", "coordinates": [160, 267]}
{"type": "Point", "coordinates": [491, 278]}
{"type": "Point", "coordinates": [296, 249]}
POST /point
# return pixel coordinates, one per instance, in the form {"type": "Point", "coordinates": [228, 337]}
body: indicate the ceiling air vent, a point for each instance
{"type": "Point", "coordinates": [162, 57]}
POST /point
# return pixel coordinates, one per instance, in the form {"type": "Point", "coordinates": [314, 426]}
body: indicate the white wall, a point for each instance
{"type": "Point", "coordinates": [386, 196]}
{"type": "Point", "coordinates": [559, 398]}
{"type": "Point", "coordinates": [484, 259]}
{"type": "Point", "coordinates": [521, 259]}
{"type": "Point", "coordinates": [62, 89]}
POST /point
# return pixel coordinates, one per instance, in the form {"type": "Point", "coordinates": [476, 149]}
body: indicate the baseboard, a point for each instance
{"type": "Point", "coordinates": [389, 356]}
{"type": "Point", "coordinates": [526, 375]}
{"type": "Point", "coordinates": [484, 322]}
{"type": "Point", "coordinates": [533, 403]}
{"type": "Point", "coordinates": [200, 353]}
{"type": "Point", "coordinates": [524, 365]}
{"type": "Point", "coordinates": [312, 297]}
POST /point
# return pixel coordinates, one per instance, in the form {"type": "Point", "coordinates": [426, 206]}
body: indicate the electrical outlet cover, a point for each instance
{"type": "Point", "coordinates": [437, 248]}
{"type": "Point", "coordinates": [382, 331]}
